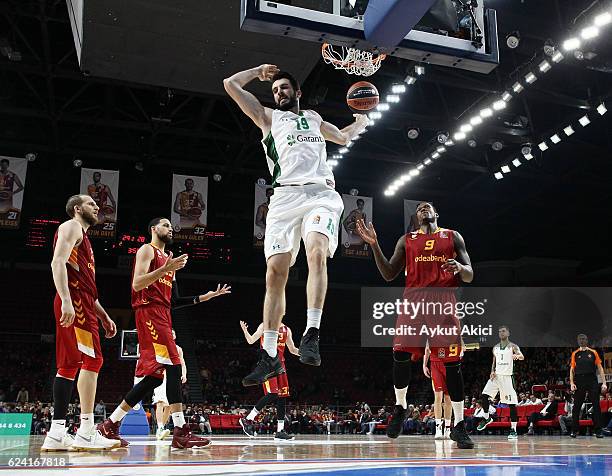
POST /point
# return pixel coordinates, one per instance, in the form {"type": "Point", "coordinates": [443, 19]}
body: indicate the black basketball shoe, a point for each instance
{"type": "Point", "coordinates": [267, 367]}
{"type": "Point", "coordinates": [283, 436]}
{"type": "Point", "coordinates": [394, 428]}
{"type": "Point", "coordinates": [309, 348]}
{"type": "Point", "coordinates": [459, 435]}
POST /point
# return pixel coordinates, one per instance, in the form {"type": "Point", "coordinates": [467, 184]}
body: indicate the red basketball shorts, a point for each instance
{"type": "Point", "coordinates": [278, 385]}
{"type": "Point", "coordinates": [438, 376]}
{"type": "Point", "coordinates": [77, 346]}
{"type": "Point", "coordinates": [156, 345]}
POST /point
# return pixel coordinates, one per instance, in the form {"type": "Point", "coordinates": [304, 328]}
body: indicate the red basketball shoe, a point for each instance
{"type": "Point", "coordinates": [182, 438]}
{"type": "Point", "coordinates": [110, 430]}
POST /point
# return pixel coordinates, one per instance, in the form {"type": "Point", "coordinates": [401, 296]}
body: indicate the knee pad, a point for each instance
{"type": "Point", "coordinates": [402, 369]}
{"type": "Point", "coordinates": [93, 364]}
{"type": "Point", "coordinates": [454, 381]}
{"type": "Point", "coordinates": [146, 385]}
{"type": "Point", "coordinates": [68, 373]}
{"type": "Point", "coordinates": [173, 384]}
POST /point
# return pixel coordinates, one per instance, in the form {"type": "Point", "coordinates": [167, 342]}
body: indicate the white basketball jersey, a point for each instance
{"type": "Point", "coordinates": [295, 149]}
{"type": "Point", "coordinates": [504, 363]}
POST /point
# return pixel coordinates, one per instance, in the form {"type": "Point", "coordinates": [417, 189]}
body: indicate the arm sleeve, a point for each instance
{"type": "Point", "coordinates": [179, 302]}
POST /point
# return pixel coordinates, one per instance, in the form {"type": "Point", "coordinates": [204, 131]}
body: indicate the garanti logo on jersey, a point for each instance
{"type": "Point", "coordinates": [291, 140]}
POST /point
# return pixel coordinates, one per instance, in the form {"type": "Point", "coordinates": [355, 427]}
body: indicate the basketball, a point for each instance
{"type": "Point", "coordinates": [362, 96]}
{"type": "Point", "coordinates": [5, 195]}
{"type": "Point", "coordinates": [194, 212]}
{"type": "Point", "coordinates": [107, 210]}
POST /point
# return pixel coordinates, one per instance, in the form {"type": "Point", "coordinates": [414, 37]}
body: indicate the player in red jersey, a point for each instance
{"type": "Point", "coordinates": [276, 389]}
{"type": "Point", "coordinates": [437, 374]}
{"type": "Point", "coordinates": [77, 311]}
{"type": "Point", "coordinates": [432, 257]}
{"type": "Point", "coordinates": [152, 282]}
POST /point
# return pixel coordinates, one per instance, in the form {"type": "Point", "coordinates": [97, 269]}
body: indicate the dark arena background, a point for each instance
{"type": "Point", "coordinates": [491, 113]}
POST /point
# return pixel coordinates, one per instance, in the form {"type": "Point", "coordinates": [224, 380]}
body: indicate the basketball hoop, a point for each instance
{"type": "Point", "coordinates": [352, 60]}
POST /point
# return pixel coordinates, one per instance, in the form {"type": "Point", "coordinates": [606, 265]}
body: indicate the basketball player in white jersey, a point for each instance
{"type": "Point", "coordinates": [304, 206]}
{"type": "Point", "coordinates": [504, 355]}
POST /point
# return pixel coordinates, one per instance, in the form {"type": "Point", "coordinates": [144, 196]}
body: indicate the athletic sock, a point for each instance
{"type": "Point", "coordinates": [513, 425]}
{"type": "Point", "coordinates": [438, 423]}
{"type": "Point", "coordinates": [178, 419]}
{"type": "Point", "coordinates": [447, 423]}
{"type": "Point", "coordinates": [400, 397]}
{"type": "Point", "coordinates": [58, 428]}
{"type": "Point", "coordinates": [118, 414]}
{"type": "Point", "coordinates": [251, 416]}
{"type": "Point", "coordinates": [280, 425]}
{"type": "Point", "coordinates": [313, 318]}
{"type": "Point", "coordinates": [270, 342]}
{"type": "Point", "coordinates": [87, 423]}
{"type": "Point", "coordinates": [457, 411]}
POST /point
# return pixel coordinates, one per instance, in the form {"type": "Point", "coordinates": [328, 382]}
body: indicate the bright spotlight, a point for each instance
{"type": "Point", "coordinates": [505, 169]}
{"type": "Point", "coordinates": [569, 130]}
{"type": "Point", "coordinates": [602, 109]}
{"type": "Point", "coordinates": [543, 146]}
{"type": "Point", "coordinates": [516, 163]}
{"type": "Point", "coordinates": [584, 121]}
{"type": "Point", "coordinates": [571, 44]}
{"type": "Point", "coordinates": [555, 139]}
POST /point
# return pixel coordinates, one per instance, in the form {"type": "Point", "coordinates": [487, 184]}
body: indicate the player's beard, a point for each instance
{"type": "Point", "coordinates": [290, 104]}
{"type": "Point", "coordinates": [167, 239]}
{"type": "Point", "coordinates": [89, 218]}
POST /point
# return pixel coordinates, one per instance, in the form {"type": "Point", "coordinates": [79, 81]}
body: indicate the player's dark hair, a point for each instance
{"type": "Point", "coordinates": [4, 161]}
{"type": "Point", "coordinates": [153, 223]}
{"type": "Point", "coordinates": [74, 201]}
{"type": "Point", "coordinates": [429, 203]}
{"type": "Point", "coordinates": [284, 75]}
{"type": "Point", "coordinates": [582, 335]}
{"type": "Point", "coordinates": [360, 200]}
{"type": "Point", "coordinates": [503, 327]}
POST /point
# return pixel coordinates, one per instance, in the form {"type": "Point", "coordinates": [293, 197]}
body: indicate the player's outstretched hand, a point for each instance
{"type": "Point", "coordinates": [220, 291]}
{"type": "Point", "coordinates": [174, 264]}
{"type": "Point", "coordinates": [244, 326]}
{"type": "Point", "coordinates": [267, 72]}
{"type": "Point", "coordinates": [426, 371]}
{"type": "Point", "coordinates": [361, 120]}
{"type": "Point", "coordinates": [367, 233]}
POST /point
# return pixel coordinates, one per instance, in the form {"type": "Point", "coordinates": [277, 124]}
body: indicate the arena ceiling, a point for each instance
{"type": "Point", "coordinates": [183, 122]}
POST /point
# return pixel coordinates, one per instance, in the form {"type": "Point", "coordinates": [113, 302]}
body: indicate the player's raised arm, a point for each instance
{"type": "Point", "coordinates": [251, 339]}
{"type": "Point", "coordinates": [343, 136]}
{"type": "Point", "coordinates": [248, 103]}
{"type": "Point", "coordinates": [144, 256]}
{"type": "Point", "coordinates": [462, 265]}
{"type": "Point", "coordinates": [389, 269]}
{"type": "Point", "coordinates": [69, 235]}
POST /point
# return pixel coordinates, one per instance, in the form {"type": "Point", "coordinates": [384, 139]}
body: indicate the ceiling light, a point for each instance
{"type": "Point", "coordinates": [459, 136]}
{"type": "Point", "coordinates": [449, 143]}
{"type": "Point", "coordinates": [517, 87]}
{"type": "Point", "coordinates": [476, 120]}
{"type": "Point", "coordinates": [398, 88]}
{"type": "Point", "coordinates": [375, 115]}
{"type": "Point", "coordinates": [526, 149]}
{"type": "Point", "coordinates": [410, 79]}
{"type": "Point", "coordinates": [420, 167]}
{"type": "Point", "coordinates": [571, 44]}
{"type": "Point", "coordinates": [413, 133]}
{"type": "Point", "coordinates": [542, 146]}
{"type": "Point", "coordinates": [513, 40]}
{"type": "Point", "coordinates": [516, 162]}
{"type": "Point", "coordinates": [30, 156]}
{"type": "Point", "coordinates": [344, 150]}
{"type": "Point", "coordinates": [441, 149]}
{"type": "Point", "coordinates": [472, 143]}
{"type": "Point", "coordinates": [603, 19]}
{"type": "Point", "coordinates": [335, 156]}
{"type": "Point", "coordinates": [486, 112]}
{"type": "Point", "coordinates": [349, 144]}
{"type": "Point", "coordinates": [584, 121]}
{"type": "Point", "coordinates": [497, 145]}
{"type": "Point", "coordinates": [428, 161]}
{"type": "Point", "coordinates": [499, 105]}
{"type": "Point", "coordinates": [435, 155]}
{"type": "Point", "coordinates": [589, 32]}
{"type": "Point", "coordinates": [499, 175]}
{"type": "Point", "coordinates": [466, 128]}
{"type": "Point", "coordinates": [414, 172]}
{"type": "Point", "coordinates": [77, 162]}
{"type": "Point", "coordinates": [544, 66]}
{"type": "Point", "coordinates": [555, 139]}
{"type": "Point", "coordinates": [389, 193]}
{"type": "Point", "coordinates": [528, 156]}
{"type": "Point", "coordinates": [392, 98]}
{"type": "Point", "coordinates": [139, 166]}
{"type": "Point", "coordinates": [505, 169]}
{"type": "Point", "coordinates": [442, 137]}
{"type": "Point", "coordinates": [530, 78]}
{"type": "Point", "coordinates": [602, 109]}
{"type": "Point", "coordinates": [419, 69]}
{"type": "Point", "coordinates": [506, 96]}
{"type": "Point", "coordinates": [332, 162]}
{"type": "Point", "coordinates": [557, 57]}
{"type": "Point", "coordinates": [383, 106]}
{"type": "Point", "coordinates": [549, 47]}
{"type": "Point", "coordinates": [569, 130]}
{"type": "Point", "coordinates": [579, 55]}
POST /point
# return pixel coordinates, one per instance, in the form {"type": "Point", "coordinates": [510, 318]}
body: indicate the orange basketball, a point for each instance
{"type": "Point", "coordinates": [362, 96]}
{"type": "Point", "coordinates": [194, 212]}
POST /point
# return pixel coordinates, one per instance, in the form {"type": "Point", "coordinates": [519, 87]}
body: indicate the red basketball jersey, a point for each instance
{"type": "Point", "coordinates": [159, 292]}
{"type": "Point", "coordinates": [425, 254]}
{"type": "Point", "coordinates": [281, 343]}
{"type": "Point", "coordinates": [450, 353]}
{"type": "Point", "coordinates": [81, 267]}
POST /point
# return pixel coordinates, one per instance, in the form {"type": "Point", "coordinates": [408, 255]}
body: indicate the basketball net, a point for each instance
{"type": "Point", "coordinates": [352, 60]}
